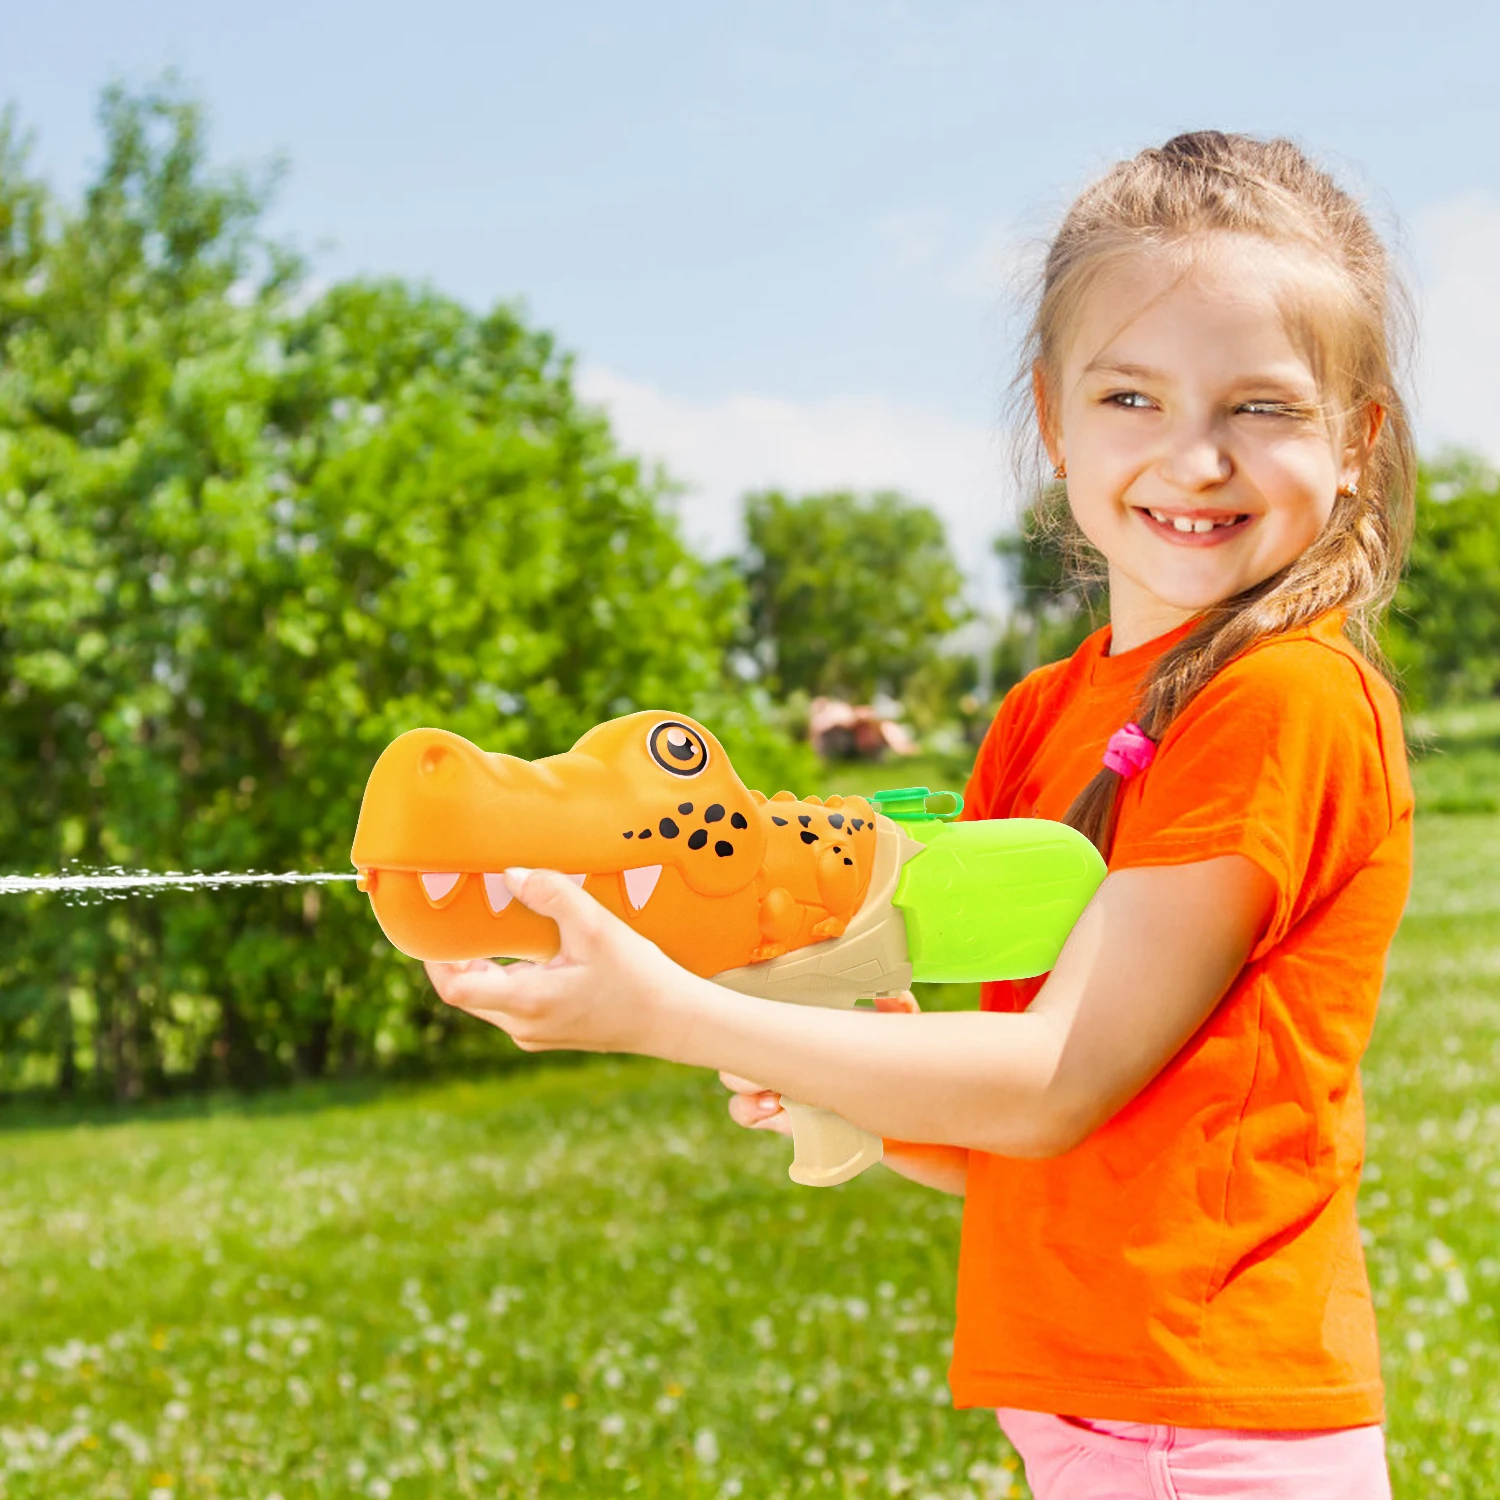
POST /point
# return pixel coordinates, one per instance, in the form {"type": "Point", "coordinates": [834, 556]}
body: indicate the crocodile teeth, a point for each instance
{"type": "Point", "coordinates": [497, 893]}
{"type": "Point", "coordinates": [640, 883]}
{"type": "Point", "coordinates": [578, 880]}
{"type": "Point", "coordinates": [438, 886]}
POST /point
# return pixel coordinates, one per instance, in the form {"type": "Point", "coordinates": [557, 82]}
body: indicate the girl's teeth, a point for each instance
{"type": "Point", "coordinates": [1184, 523]}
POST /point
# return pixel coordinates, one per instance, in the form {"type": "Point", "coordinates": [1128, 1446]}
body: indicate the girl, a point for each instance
{"type": "Point", "coordinates": [1161, 1285]}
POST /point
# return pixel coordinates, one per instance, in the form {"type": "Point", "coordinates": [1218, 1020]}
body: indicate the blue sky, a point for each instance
{"type": "Point", "coordinates": [777, 236]}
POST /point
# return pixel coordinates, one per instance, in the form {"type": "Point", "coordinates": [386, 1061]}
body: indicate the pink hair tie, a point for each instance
{"type": "Point", "coordinates": [1130, 750]}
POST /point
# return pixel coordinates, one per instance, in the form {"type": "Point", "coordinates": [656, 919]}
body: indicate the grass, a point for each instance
{"type": "Point", "coordinates": [585, 1282]}
{"type": "Point", "coordinates": [1457, 754]}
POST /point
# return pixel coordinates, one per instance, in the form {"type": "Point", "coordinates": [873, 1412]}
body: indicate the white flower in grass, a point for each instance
{"type": "Point", "coordinates": [706, 1447]}
{"type": "Point", "coordinates": [612, 1425]}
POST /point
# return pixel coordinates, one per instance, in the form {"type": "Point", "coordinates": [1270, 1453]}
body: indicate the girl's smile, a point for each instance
{"type": "Point", "coordinates": [1200, 455]}
{"type": "Point", "coordinates": [1194, 528]}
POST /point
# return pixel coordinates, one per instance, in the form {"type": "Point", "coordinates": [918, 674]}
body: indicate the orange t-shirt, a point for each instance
{"type": "Point", "coordinates": [1196, 1261]}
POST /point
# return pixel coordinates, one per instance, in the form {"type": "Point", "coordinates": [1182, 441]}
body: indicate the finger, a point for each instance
{"type": "Point", "coordinates": [552, 895]}
{"type": "Point", "coordinates": [442, 975]}
{"type": "Point", "coordinates": [740, 1085]}
{"type": "Point", "coordinates": [903, 1004]}
{"type": "Point", "coordinates": [756, 1110]}
{"type": "Point", "coordinates": [520, 989]}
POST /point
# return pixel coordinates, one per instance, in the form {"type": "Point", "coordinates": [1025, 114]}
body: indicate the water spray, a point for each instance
{"type": "Point", "coordinates": [115, 882]}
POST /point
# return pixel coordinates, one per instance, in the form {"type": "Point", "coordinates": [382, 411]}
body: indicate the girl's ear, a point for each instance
{"type": "Point", "coordinates": [1042, 400]}
{"type": "Point", "coordinates": [1364, 432]}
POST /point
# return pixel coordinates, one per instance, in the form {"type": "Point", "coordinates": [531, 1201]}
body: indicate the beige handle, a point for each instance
{"type": "Point", "coordinates": [827, 1150]}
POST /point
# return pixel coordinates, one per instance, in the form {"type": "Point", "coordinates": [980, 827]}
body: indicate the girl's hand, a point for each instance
{"type": "Point", "coordinates": [757, 1108]}
{"type": "Point", "coordinates": [607, 989]}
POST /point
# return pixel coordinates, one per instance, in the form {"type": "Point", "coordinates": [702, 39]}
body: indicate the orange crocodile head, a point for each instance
{"type": "Point", "coordinates": [646, 812]}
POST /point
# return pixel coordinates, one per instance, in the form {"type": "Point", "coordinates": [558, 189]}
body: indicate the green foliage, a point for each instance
{"type": "Point", "coordinates": [847, 596]}
{"type": "Point", "coordinates": [243, 543]}
{"type": "Point", "coordinates": [1443, 634]}
{"type": "Point", "coordinates": [1054, 609]}
{"type": "Point", "coordinates": [1456, 758]}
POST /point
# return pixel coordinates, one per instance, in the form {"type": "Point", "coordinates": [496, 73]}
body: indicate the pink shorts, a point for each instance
{"type": "Point", "coordinates": [1074, 1458]}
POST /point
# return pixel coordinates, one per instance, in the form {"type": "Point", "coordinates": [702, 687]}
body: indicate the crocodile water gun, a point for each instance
{"type": "Point", "coordinates": [818, 902]}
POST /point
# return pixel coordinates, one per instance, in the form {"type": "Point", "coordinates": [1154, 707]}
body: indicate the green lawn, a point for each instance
{"type": "Point", "coordinates": [583, 1281]}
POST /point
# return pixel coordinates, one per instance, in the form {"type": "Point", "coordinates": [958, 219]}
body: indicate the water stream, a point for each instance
{"type": "Point", "coordinates": [116, 883]}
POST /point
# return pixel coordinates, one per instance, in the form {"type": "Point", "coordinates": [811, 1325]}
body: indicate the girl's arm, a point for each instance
{"type": "Point", "coordinates": [1145, 965]}
{"type": "Point", "coordinates": [943, 1168]}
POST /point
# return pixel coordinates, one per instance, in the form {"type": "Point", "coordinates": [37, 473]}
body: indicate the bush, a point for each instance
{"type": "Point", "coordinates": [245, 541]}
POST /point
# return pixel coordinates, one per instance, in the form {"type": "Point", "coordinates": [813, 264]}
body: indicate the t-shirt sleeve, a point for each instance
{"type": "Point", "coordinates": [1278, 759]}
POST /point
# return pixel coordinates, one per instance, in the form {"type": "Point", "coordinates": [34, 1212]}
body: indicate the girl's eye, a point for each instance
{"type": "Point", "coordinates": [1272, 409]}
{"type": "Point", "coordinates": [1132, 399]}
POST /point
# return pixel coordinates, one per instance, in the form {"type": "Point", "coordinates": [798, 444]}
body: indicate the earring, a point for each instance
{"type": "Point", "coordinates": [1060, 471]}
{"type": "Point", "coordinates": [1349, 492]}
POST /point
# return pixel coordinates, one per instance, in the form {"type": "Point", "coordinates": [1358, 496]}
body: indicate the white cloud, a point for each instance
{"type": "Point", "coordinates": [721, 449]}
{"type": "Point", "coordinates": [1457, 245]}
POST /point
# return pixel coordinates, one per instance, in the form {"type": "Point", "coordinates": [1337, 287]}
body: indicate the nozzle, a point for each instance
{"type": "Point", "coordinates": [916, 804]}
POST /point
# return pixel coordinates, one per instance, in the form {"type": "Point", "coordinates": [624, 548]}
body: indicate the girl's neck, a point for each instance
{"type": "Point", "coordinates": [1136, 617]}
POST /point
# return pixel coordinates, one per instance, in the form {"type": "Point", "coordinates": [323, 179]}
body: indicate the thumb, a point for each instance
{"type": "Point", "coordinates": [550, 894]}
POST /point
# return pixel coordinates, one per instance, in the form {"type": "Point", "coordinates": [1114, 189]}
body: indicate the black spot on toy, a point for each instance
{"type": "Point", "coordinates": [803, 819]}
{"type": "Point", "coordinates": [684, 808]}
{"type": "Point", "coordinates": [723, 848]}
{"type": "Point", "coordinates": [737, 820]}
{"type": "Point", "coordinates": [779, 822]}
{"type": "Point", "coordinates": [645, 833]}
{"type": "Point", "coordinates": [837, 819]}
{"type": "Point", "coordinates": [669, 830]}
{"type": "Point", "coordinates": [847, 860]}
{"type": "Point", "coordinates": [713, 814]}
{"type": "Point", "coordinates": [808, 838]}
{"type": "Point", "coordinates": [629, 833]}
{"type": "Point", "coordinates": [697, 839]}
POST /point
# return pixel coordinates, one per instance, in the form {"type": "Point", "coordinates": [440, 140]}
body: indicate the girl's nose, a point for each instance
{"type": "Point", "coordinates": [1194, 458]}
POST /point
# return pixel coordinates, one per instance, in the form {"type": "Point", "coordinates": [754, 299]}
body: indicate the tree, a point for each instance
{"type": "Point", "coordinates": [847, 596]}
{"type": "Point", "coordinates": [1443, 632]}
{"type": "Point", "coordinates": [1056, 603]}
{"type": "Point", "coordinates": [243, 543]}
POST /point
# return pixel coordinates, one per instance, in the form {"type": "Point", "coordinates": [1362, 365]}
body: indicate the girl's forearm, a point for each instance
{"type": "Point", "coordinates": [944, 1168]}
{"type": "Point", "coordinates": [971, 1079]}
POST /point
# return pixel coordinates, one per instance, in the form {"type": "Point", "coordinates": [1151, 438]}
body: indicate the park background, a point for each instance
{"type": "Point", "coordinates": [507, 371]}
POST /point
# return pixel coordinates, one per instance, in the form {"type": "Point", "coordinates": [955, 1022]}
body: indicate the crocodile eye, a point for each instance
{"type": "Point", "coordinates": [678, 749]}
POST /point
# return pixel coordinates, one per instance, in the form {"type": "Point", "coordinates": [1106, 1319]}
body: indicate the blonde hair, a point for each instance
{"type": "Point", "coordinates": [1353, 322]}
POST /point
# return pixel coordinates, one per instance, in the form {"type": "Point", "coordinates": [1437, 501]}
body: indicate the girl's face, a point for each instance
{"type": "Point", "coordinates": [1198, 459]}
